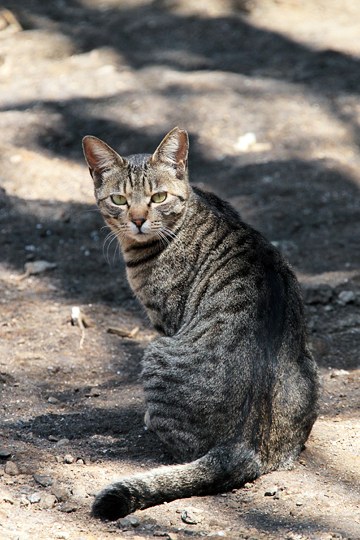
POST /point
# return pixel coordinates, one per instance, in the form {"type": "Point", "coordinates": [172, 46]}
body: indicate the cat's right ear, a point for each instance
{"type": "Point", "coordinates": [99, 157]}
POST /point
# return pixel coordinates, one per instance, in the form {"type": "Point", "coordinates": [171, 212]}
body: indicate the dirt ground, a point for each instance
{"type": "Point", "coordinates": [270, 93]}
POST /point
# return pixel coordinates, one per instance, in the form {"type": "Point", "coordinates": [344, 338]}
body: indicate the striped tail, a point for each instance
{"type": "Point", "coordinates": [221, 469]}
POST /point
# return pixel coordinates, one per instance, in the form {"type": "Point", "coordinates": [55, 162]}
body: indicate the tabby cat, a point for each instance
{"type": "Point", "coordinates": [230, 386]}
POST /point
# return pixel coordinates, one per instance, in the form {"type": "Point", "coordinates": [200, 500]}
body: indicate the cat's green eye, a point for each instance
{"type": "Point", "coordinates": [159, 197]}
{"type": "Point", "coordinates": [119, 200]}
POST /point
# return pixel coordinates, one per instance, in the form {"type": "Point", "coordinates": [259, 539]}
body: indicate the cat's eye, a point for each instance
{"type": "Point", "coordinates": [159, 197]}
{"type": "Point", "coordinates": [119, 200]}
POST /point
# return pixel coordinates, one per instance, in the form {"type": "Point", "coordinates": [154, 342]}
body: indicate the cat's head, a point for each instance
{"type": "Point", "coordinates": [142, 196]}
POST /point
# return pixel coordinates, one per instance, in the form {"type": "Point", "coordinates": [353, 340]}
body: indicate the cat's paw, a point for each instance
{"type": "Point", "coordinates": [112, 503]}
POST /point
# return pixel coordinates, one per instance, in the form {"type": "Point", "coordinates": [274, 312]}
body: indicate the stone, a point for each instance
{"type": "Point", "coordinates": [68, 507]}
{"type": "Point", "coordinates": [11, 468]}
{"type": "Point", "coordinates": [34, 498]}
{"type": "Point", "coordinates": [47, 501]}
{"type": "Point", "coordinates": [271, 491]}
{"type": "Point", "coordinates": [5, 453]}
{"type": "Point", "coordinates": [60, 492]}
{"type": "Point", "coordinates": [68, 458]}
{"type": "Point", "coordinates": [62, 442]}
{"type": "Point", "coordinates": [346, 297]}
{"type": "Point", "coordinates": [188, 517]}
{"type": "Point", "coordinates": [318, 295]}
{"type": "Point", "coordinates": [43, 480]}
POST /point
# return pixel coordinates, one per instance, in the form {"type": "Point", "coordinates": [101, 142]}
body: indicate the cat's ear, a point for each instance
{"type": "Point", "coordinates": [173, 151]}
{"type": "Point", "coordinates": [100, 157]}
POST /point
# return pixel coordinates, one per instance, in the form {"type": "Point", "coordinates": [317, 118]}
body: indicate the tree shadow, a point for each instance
{"type": "Point", "coordinates": [154, 33]}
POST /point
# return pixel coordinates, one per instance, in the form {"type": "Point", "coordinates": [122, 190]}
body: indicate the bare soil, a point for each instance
{"type": "Point", "coordinates": [270, 93]}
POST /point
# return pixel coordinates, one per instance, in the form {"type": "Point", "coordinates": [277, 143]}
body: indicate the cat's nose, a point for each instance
{"type": "Point", "coordinates": [138, 222]}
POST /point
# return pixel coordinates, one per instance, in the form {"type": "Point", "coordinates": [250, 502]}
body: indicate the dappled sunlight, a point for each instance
{"type": "Point", "coordinates": [270, 94]}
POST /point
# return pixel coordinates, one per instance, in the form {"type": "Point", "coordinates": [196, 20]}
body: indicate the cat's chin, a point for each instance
{"type": "Point", "coordinates": [140, 237]}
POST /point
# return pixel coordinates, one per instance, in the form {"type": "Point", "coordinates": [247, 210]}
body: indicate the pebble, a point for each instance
{"type": "Point", "coordinates": [11, 468]}
{"type": "Point", "coordinates": [43, 480]}
{"type": "Point", "coordinates": [346, 297]}
{"type": "Point", "coordinates": [188, 518]}
{"type": "Point", "coordinates": [60, 492]}
{"type": "Point", "coordinates": [93, 392]}
{"type": "Point", "coordinates": [68, 458]}
{"type": "Point", "coordinates": [335, 373]}
{"type": "Point", "coordinates": [68, 507]}
{"type": "Point", "coordinates": [271, 491]}
{"type": "Point", "coordinates": [128, 522]}
{"type": "Point", "coordinates": [53, 400]}
{"type": "Point", "coordinates": [47, 501]}
{"type": "Point", "coordinates": [62, 442]}
{"type": "Point", "coordinates": [53, 438]}
{"type": "Point", "coordinates": [4, 453]}
{"type": "Point", "coordinates": [34, 498]}
{"type": "Point", "coordinates": [318, 295]}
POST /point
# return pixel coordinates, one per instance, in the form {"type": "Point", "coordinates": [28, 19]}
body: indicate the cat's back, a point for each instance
{"type": "Point", "coordinates": [239, 273]}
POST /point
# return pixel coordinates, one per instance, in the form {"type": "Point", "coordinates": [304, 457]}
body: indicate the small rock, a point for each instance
{"type": "Point", "coordinates": [47, 501]}
{"type": "Point", "coordinates": [53, 400]}
{"type": "Point", "coordinates": [128, 522]}
{"type": "Point", "coordinates": [60, 492]}
{"type": "Point", "coordinates": [245, 142]}
{"type": "Point", "coordinates": [93, 392]}
{"type": "Point", "coordinates": [188, 518]}
{"type": "Point", "coordinates": [68, 458]}
{"type": "Point", "coordinates": [80, 461]}
{"type": "Point", "coordinates": [299, 503]}
{"type": "Point", "coordinates": [134, 521]}
{"type": "Point", "coordinates": [37, 267]}
{"type": "Point", "coordinates": [271, 491]}
{"type": "Point", "coordinates": [43, 480]}
{"type": "Point", "coordinates": [346, 297]}
{"type": "Point", "coordinates": [68, 507]}
{"type": "Point", "coordinates": [34, 498]}
{"type": "Point", "coordinates": [53, 438]}
{"type": "Point", "coordinates": [318, 295]}
{"type": "Point", "coordinates": [335, 373]}
{"type": "Point", "coordinates": [4, 453]}
{"type": "Point", "coordinates": [62, 442]}
{"type": "Point", "coordinates": [63, 536]}
{"type": "Point", "coordinates": [11, 468]}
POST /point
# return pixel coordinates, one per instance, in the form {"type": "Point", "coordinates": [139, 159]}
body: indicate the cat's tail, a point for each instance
{"type": "Point", "coordinates": [221, 469]}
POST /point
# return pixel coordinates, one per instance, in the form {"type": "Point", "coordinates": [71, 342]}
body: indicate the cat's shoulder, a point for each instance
{"type": "Point", "coordinates": [218, 206]}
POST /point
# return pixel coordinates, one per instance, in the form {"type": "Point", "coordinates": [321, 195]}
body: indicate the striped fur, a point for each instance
{"type": "Point", "coordinates": [230, 386]}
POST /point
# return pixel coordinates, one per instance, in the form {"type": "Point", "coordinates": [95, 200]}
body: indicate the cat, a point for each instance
{"type": "Point", "coordinates": [230, 386]}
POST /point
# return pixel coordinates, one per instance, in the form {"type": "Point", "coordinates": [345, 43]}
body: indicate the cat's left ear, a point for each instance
{"type": "Point", "coordinates": [173, 151]}
{"type": "Point", "coordinates": [100, 157]}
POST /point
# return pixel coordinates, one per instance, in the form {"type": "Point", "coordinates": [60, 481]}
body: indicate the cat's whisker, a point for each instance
{"type": "Point", "coordinates": [107, 243]}
{"type": "Point", "coordinates": [163, 239]}
{"type": "Point", "coordinates": [172, 235]}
